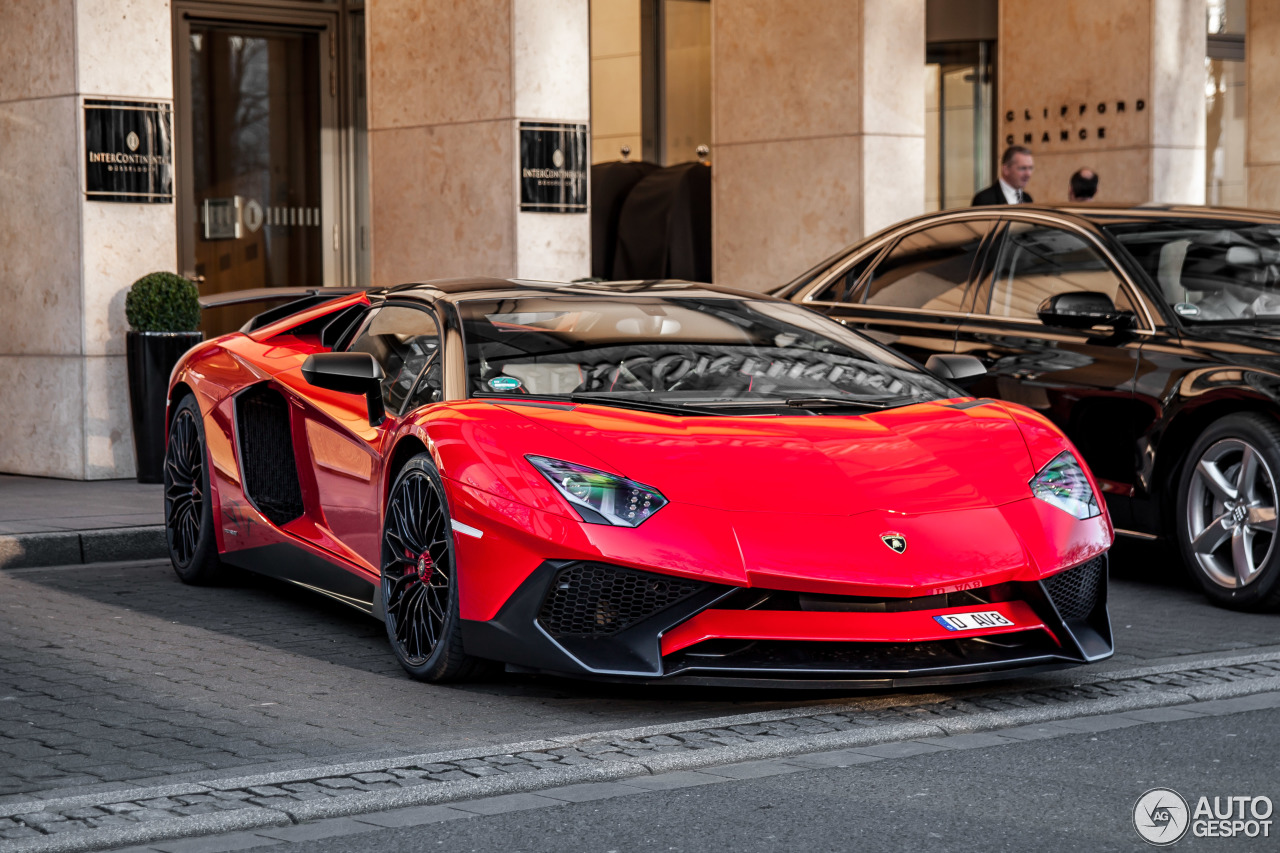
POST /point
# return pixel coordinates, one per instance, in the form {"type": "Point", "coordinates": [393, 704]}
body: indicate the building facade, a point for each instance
{"type": "Point", "coordinates": [351, 142]}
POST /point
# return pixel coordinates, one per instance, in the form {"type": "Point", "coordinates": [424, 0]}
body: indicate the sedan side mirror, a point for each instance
{"type": "Point", "coordinates": [1083, 309]}
{"type": "Point", "coordinates": [348, 373]}
{"type": "Point", "coordinates": [955, 368]}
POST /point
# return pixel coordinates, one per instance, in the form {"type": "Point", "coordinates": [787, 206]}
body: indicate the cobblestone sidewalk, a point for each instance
{"type": "Point", "coordinates": [113, 676]}
{"type": "Point", "coordinates": [284, 797]}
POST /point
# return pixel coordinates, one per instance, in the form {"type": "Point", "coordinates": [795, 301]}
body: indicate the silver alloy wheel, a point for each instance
{"type": "Point", "coordinates": [1231, 513]}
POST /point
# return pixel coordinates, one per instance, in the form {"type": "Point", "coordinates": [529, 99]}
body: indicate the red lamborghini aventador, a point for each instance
{"type": "Point", "coordinates": [635, 482]}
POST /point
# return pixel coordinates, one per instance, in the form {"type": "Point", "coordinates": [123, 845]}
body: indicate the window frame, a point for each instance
{"type": "Point", "coordinates": [438, 355]}
{"type": "Point", "coordinates": [881, 248]}
{"type": "Point", "coordinates": [864, 281]}
{"type": "Point", "coordinates": [842, 267]}
{"type": "Point", "coordinates": [983, 288]}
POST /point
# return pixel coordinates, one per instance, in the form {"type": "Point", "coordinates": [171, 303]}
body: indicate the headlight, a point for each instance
{"type": "Point", "coordinates": [600, 498]}
{"type": "Point", "coordinates": [1063, 483]}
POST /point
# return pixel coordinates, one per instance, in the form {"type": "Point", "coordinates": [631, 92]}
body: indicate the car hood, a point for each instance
{"type": "Point", "coordinates": [927, 457]}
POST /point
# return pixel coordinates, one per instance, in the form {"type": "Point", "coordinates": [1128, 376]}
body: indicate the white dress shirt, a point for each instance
{"type": "Point", "coordinates": [1011, 195]}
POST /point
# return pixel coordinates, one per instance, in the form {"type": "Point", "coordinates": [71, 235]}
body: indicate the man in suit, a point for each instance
{"type": "Point", "coordinates": [1016, 165]}
{"type": "Point", "coordinates": [1084, 185]}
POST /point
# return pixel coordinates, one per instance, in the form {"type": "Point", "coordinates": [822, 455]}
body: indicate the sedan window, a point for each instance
{"type": "Point", "coordinates": [1209, 271]}
{"type": "Point", "coordinates": [1039, 261]}
{"type": "Point", "coordinates": [842, 287]}
{"type": "Point", "coordinates": [928, 269]}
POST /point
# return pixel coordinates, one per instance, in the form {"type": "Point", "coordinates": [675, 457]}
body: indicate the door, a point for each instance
{"type": "Point", "coordinates": [1082, 380]}
{"type": "Point", "coordinates": [912, 298]}
{"type": "Point", "coordinates": [345, 451]}
{"type": "Point", "coordinates": [257, 186]}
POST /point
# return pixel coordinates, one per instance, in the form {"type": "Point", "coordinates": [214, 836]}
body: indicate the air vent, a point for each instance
{"type": "Point", "coordinates": [1076, 592]}
{"type": "Point", "coordinates": [269, 468]}
{"type": "Point", "coordinates": [593, 600]}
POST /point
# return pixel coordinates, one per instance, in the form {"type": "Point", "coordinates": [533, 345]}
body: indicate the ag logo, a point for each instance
{"type": "Point", "coordinates": [1160, 816]}
{"type": "Point", "coordinates": [557, 157]}
{"type": "Point", "coordinates": [132, 141]}
{"type": "Point", "coordinates": [896, 541]}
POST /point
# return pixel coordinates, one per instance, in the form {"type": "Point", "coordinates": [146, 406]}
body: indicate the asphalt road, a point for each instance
{"type": "Point", "coordinates": [118, 673]}
{"type": "Point", "coordinates": [1068, 793]}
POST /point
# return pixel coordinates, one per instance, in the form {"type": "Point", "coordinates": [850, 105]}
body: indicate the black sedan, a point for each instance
{"type": "Point", "coordinates": [1150, 335]}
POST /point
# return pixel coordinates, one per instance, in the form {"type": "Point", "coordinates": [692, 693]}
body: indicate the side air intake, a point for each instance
{"type": "Point", "coordinates": [268, 465]}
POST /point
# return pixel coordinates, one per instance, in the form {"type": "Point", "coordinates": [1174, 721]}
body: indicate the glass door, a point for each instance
{"type": "Point", "coordinates": [258, 207]}
{"type": "Point", "coordinates": [959, 122]}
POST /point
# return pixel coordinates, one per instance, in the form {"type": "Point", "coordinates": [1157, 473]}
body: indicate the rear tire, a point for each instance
{"type": "Point", "coordinates": [420, 579]}
{"type": "Point", "coordinates": [188, 502]}
{"type": "Point", "coordinates": [1228, 495]}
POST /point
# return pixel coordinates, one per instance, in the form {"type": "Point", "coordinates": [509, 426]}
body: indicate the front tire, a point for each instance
{"type": "Point", "coordinates": [188, 503]}
{"type": "Point", "coordinates": [420, 580]}
{"type": "Point", "coordinates": [1228, 495]}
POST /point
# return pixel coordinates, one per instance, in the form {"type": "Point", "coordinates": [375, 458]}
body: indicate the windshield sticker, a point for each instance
{"type": "Point", "coordinates": [504, 383]}
{"type": "Point", "coordinates": [1186, 309]}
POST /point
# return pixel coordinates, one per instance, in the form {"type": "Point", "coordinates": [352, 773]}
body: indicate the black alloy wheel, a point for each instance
{"type": "Point", "coordinates": [1227, 502]}
{"type": "Point", "coordinates": [188, 510]}
{"type": "Point", "coordinates": [419, 578]}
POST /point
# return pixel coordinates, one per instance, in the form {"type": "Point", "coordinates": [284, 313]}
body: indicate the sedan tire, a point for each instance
{"type": "Point", "coordinates": [1228, 496]}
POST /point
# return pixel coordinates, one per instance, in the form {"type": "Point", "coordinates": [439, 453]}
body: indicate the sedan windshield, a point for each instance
{"type": "Point", "coordinates": [1209, 271]}
{"type": "Point", "coordinates": [679, 353]}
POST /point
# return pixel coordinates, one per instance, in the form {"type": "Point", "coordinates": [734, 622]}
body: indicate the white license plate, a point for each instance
{"type": "Point", "coordinates": [973, 621]}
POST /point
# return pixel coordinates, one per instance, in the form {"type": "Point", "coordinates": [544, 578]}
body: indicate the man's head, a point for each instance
{"type": "Point", "coordinates": [1084, 185]}
{"type": "Point", "coordinates": [1016, 166]}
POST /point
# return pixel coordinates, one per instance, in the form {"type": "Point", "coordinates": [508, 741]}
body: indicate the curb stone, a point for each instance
{"type": "Point", "coordinates": [254, 808]}
{"type": "Point", "coordinates": [65, 548]}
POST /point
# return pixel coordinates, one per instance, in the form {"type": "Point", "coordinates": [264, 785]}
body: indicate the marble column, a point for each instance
{"type": "Point", "coordinates": [1116, 87]}
{"type": "Point", "coordinates": [449, 84]}
{"type": "Point", "coordinates": [65, 262]}
{"type": "Point", "coordinates": [1262, 146]}
{"type": "Point", "coordinates": [818, 129]}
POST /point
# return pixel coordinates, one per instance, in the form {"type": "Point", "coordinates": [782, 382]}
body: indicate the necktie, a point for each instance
{"type": "Point", "coordinates": [1017, 196]}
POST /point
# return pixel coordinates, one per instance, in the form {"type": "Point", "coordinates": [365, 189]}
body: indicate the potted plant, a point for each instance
{"type": "Point", "coordinates": [163, 310]}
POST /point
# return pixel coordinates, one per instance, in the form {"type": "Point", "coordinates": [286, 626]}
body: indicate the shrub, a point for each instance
{"type": "Point", "coordinates": [162, 302]}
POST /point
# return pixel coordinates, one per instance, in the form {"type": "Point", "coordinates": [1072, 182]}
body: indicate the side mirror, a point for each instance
{"type": "Point", "coordinates": [348, 373]}
{"type": "Point", "coordinates": [1082, 309]}
{"type": "Point", "coordinates": [955, 367]}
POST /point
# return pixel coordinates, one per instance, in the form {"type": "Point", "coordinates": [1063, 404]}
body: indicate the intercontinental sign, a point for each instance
{"type": "Point", "coordinates": [128, 151]}
{"type": "Point", "coordinates": [553, 167]}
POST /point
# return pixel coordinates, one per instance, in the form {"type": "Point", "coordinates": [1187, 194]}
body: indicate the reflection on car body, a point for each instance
{"type": "Point", "coordinates": [648, 481]}
{"type": "Point", "coordinates": [1171, 348]}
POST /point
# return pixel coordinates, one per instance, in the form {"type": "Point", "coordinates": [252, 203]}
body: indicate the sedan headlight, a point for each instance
{"type": "Point", "coordinates": [598, 497]}
{"type": "Point", "coordinates": [1063, 483]}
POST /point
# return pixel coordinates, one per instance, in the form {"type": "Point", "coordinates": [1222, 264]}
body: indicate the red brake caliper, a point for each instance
{"type": "Point", "coordinates": [423, 567]}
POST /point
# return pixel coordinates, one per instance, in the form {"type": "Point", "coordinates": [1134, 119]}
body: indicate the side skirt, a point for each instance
{"type": "Point", "coordinates": [301, 567]}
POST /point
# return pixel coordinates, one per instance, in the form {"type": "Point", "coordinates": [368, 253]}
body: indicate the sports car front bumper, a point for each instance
{"type": "Point", "coordinates": [594, 620]}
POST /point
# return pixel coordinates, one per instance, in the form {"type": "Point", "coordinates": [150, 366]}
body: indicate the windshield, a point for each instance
{"type": "Point", "coordinates": [1209, 271]}
{"type": "Point", "coordinates": [701, 353]}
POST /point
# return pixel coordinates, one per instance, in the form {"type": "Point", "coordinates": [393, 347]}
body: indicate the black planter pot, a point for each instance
{"type": "Point", "coordinates": [151, 357]}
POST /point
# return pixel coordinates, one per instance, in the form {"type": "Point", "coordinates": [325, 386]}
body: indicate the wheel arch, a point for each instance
{"type": "Point", "coordinates": [1187, 426]}
{"type": "Point", "coordinates": [405, 449]}
{"type": "Point", "coordinates": [176, 393]}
